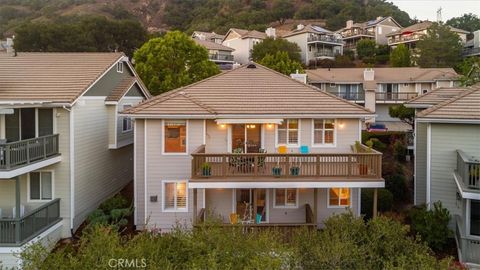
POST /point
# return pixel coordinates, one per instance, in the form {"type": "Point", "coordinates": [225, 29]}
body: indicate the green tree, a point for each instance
{"type": "Point", "coordinates": [469, 22]}
{"type": "Point", "coordinates": [400, 56]}
{"type": "Point", "coordinates": [440, 47]}
{"type": "Point", "coordinates": [281, 63]}
{"type": "Point", "coordinates": [469, 69]}
{"type": "Point", "coordinates": [282, 10]}
{"type": "Point", "coordinates": [406, 115]}
{"type": "Point", "coordinates": [172, 61]}
{"type": "Point", "coordinates": [432, 225]}
{"type": "Point", "coordinates": [272, 46]}
{"type": "Point", "coordinates": [366, 49]}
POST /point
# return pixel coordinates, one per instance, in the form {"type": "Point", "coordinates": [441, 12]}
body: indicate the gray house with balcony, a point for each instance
{"type": "Point", "coordinates": [63, 147]}
{"type": "Point", "coordinates": [447, 161]}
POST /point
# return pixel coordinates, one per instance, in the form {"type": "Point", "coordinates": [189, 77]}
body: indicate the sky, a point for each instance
{"type": "Point", "coordinates": [427, 9]}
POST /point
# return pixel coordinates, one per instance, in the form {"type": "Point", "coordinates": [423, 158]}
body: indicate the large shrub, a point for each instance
{"type": "Point", "coordinates": [384, 201]}
{"type": "Point", "coordinates": [432, 225]}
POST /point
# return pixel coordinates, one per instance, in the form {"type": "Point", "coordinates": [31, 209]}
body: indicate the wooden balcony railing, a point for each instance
{"type": "Point", "coordinates": [25, 152]}
{"type": "Point", "coordinates": [366, 165]}
{"type": "Point", "coordinates": [17, 231]}
{"type": "Point", "coordinates": [468, 168]}
{"type": "Point", "coordinates": [398, 96]}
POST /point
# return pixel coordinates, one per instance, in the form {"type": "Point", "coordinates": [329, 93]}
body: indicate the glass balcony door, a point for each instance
{"type": "Point", "coordinates": [251, 205]}
{"type": "Point", "coordinates": [27, 123]}
{"type": "Point", "coordinates": [246, 137]}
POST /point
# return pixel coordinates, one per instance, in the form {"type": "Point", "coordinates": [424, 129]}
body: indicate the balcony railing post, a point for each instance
{"type": "Point", "coordinates": [255, 165]}
{"type": "Point", "coordinates": [317, 157]}
{"type": "Point", "coordinates": [7, 156]}
{"type": "Point", "coordinates": [224, 165]}
{"type": "Point", "coordinates": [28, 152]}
{"type": "Point", "coordinates": [349, 164]}
{"type": "Point", "coordinates": [44, 147]}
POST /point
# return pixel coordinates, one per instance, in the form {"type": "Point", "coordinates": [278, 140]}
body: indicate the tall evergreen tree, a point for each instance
{"type": "Point", "coordinates": [400, 56]}
{"type": "Point", "coordinates": [440, 47]}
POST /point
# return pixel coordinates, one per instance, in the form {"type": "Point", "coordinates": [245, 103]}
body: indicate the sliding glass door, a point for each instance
{"type": "Point", "coordinates": [27, 123]}
{"type": "Point", "coordinates": [246, 138]}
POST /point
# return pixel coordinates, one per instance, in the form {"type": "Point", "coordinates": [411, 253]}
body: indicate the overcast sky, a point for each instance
{"type": "Point", "coordinates": [427, 9]}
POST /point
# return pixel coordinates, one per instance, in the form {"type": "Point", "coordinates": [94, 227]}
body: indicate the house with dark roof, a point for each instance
{"type": "Point", "coordinates": [252, 146]}
{"type": "Point", "coordinates": [315, 43]}
{"type": "Point", "coordinates": [64, 149]}
{"type": "Point", "coordinates": [376, 30]}
{"type": "Point", "coordinates": [447, 162]}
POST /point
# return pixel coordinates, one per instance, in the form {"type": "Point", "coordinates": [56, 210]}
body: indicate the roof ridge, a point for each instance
{"type": "Point", "coordinates": [446, 102]}
{"type": "Point", "coordinates": [197, 102]}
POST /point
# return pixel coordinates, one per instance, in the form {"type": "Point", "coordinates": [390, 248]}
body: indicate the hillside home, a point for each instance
{"type": "Point", "coordinates": [251, 146]}
{"type": "Point", "coordinates": [377, 89]}
{"type": "Point", "coordinates": [472, 46]}
{"type": "Point", "coordinates": [208, 36]}
{"type": "Point", "coordinates": [63, 147]}
{"type": "Point", "coordinates": [315, 43]}
{"type": "Point", "coordinates": [376, 30]}
{"type": "Point", "coordinates": [242, 41]}
{"type": "Point", "coordinates": [447, 162]}
{"type": "Point", "coordinates": [411, 34]}
{"type": "Point", "coordinates": [218, 53]}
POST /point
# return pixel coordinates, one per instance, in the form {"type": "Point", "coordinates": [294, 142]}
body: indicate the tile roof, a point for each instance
{"type": "Point", "coordinates": [121, 89]}
{"type": "Point", "coordinates": [248, 91]}
{"type": "Point", "coordinates": [422, 26]}
{"type": "Point", "coordinates": [51, 77]}
{"type": "Point", "coordinates": [309, 28]}
{"type": "Point", "coordinates": [465, 106]}
{"type": "Point", "coordinates": [436, 96]}
{"type": "Point", "coordinates": [249, 33]}
{"type": "Point", "coordinates": [212, 45]}
{"type": "Point", "coordinates": [403, 74]}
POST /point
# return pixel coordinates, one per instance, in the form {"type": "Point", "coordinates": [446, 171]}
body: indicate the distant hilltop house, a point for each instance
{"type": "Point", "coordinates": [375, 30]}
{"type": "Point", "coordinates": [242, 41]}
{"type": "Point", "coordinates": [472, 46]}
{"type": "Point", "coordinates": [315, 43]}
{"type": "Point", "coordinates": [208, 36]}
{"type": "Point", "coordinates": [218, 53]}
{"type": "Point", "coordinates": [409, 36]}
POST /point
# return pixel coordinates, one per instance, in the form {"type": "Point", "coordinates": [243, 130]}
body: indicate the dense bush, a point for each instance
{"type": "Point", "coordinates": [397, 185]}
{"type": "Point", "coordinates": [431, 225]}
{"type": "Point", "coordinates": [345, 243]}
{"type": "Point", "coordinates": [399, 150]}
{"type": "Point", "coordinates": [384, 202]}
{"type": "Point", "coordinates": [113, 211]}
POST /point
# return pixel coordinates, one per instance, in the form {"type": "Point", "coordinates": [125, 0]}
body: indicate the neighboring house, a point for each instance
{"type": "Point", "coordinates": [315, 43]}
{"type": "Point", "coordinates": [376, 30]}
{"type": "Point", "coordinates": [6, 45]}
{"type": "Point", "coordinates": [447, 162]}
{"type": "Point", "coordinates": [218, 53]}
{"type": "Point", "coordinates": [411, 34]}
{"type": "Point", "coordinates": [378, 89]}
{"type": "Point", "coordinates": [250, 145]}
{"type": "Point", "coordinates": [63, 147]}
{"type": "Point", "coordinates": [242, 41]}
{"type": "Point", "coordinates": [472, 46]}
{"type": "Point", "coordinates": [207, 36]}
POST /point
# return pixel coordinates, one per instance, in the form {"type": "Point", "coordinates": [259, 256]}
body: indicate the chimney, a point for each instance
{"type": "Point", "coordinates": [271, 32]}
{"type": "Point", "coordinates": [349, 24]}
{"type": "Point", "coordinates": [299, 77]}
{"type": "Point", "coordinates": [300, 26]}
{"type": "Point", "coordinates": [368, 74]}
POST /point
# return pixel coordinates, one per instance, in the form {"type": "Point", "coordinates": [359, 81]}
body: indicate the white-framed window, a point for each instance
{"type": "Point", "coordinates": [285, 198]}
{"type": "Point", "coordinates": [40, 186]}
{"type": "Point", "coordinates": [174, 196]}
{"type": "Point", "coordinates": [474, 218]}
{"type": "Point", "coordinates": [324, 132]}
{"type": "Point", "coordinates": [120, 67]}
{"type": "Point", "coordinates": [288, 133]}
{"type": "Point", "coordinates": [126, 121]}
{"type": "Point", "coordinates": [339, 197]}
{"type": "Point", "coordinates": [175, 137]}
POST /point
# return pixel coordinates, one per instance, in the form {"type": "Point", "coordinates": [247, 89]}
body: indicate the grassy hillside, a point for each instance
{"type": "Point", "coordinates": [208, 15]}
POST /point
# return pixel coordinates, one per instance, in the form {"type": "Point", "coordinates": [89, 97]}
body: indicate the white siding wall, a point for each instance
{"type": "Point", "coordinates": [301, 41]}
{"type": "Point", "coordinates": [125, 138]}
{"type": "Point", "coordinates": [420, 163]}
{"type": "Point", "coordinates": [139, 181]}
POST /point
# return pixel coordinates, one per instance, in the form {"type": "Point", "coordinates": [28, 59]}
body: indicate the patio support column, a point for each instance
{"type": "Point", "coordinates": [315, 203]}
{"type": "Point", "coordinates": [375, 197]}
{"type": "Point", "coordinates": [17, 209]}
{"type": "Point", "coordinates": [195, 203]}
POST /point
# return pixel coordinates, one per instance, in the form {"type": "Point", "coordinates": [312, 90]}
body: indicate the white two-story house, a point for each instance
{"type": "Point", "coordinates": [64, 149]}
{"type": "Point", "coordinates": [250, 146]}
{"type": "Point", "coordinates": [242, 41]}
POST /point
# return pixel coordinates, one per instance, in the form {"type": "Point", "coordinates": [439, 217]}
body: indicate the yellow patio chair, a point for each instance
{"type": "Point", "coordinates": [282, 149]}
{"type": "Point", "coordinates": [233, 218]}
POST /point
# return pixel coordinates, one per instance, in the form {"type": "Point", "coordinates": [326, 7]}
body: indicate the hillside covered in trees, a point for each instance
{"type": "Point", "coordinates": [207, 15]}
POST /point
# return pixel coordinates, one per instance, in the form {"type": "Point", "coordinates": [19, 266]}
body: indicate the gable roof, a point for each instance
{"type": "Point", "coordinates": [435, 97]}
{"type": "Point", "coordinates": [122, 88]}
{"type": "Point", "coordinates": [209, 45]}
{"type": "Point", "coordinates": [247, 33]}
{"type": "Point", "coordinates": [249, 92]}
{"type": "Point", "coordinates": [399, 75]}
{"type": "Point", "coordinates": [465, 106]}
{"type": "Point", "coordinates": [207, 35]}
{"type": "Point", "coordinates": [370, 23]}
{"type": "Point", "coordinates": [309, 28]}
{"type": "Point", "coordinates": [422, 26]}
{"type": "Point", "coordinates": [51, 77]}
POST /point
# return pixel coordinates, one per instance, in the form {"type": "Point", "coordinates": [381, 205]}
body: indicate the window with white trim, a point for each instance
{"type": "Point", "coordinates": [323, 131]}
{"type": "Point", "coordinates": [126, 121]}
{"type": "Point", "coordinates": [287, 132]}
{"type": "Point", "coordinates": [286, 197]}
{"type": "Point", "coordinates": [339, 197]}
{"type": "Point", "coordinates": [40, 186]}
{"type": "Point", "coordinates": [120, 67]}
{"type": "Point", "coordinates": [175, 196]}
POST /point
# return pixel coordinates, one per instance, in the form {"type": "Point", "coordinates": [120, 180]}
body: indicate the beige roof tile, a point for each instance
{"type": "Point", "coordinates": [465, 106]}
{"type": "Point", "coordinates": [121, 89]}
{"type": "Point", "coordinates": [249, 33]}
{"type": "Point", "coordinates": [309, 28]}
{"type": "Point", "coordinates": [51, 77]}
{"type": "Point", "coordinates": [248, 91]}
{"type": "Point", "coordinates": [437, 96]}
